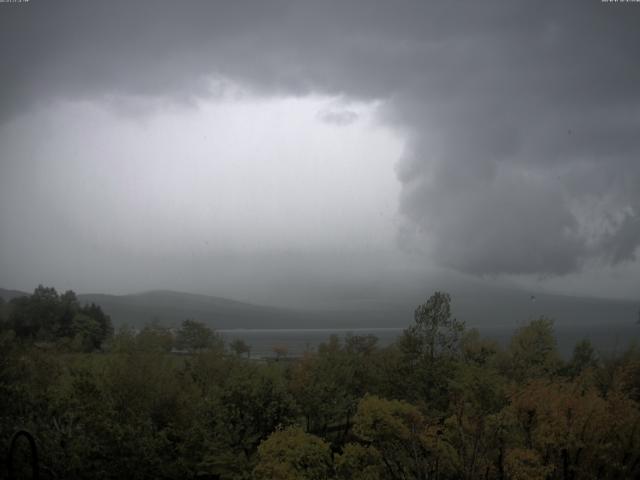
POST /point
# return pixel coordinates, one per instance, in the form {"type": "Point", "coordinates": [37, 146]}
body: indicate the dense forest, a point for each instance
{"type": "Point", "coordinates": [439, 403]}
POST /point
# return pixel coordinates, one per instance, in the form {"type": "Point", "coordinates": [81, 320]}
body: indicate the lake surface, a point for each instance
{"type": "Point", "coordinates": [607, 339]}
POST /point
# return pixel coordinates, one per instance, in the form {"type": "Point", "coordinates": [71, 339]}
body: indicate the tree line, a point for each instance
{"type": "Point", "coordinates": [439, 403]}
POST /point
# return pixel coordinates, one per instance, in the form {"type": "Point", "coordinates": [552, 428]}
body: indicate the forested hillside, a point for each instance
{"type": "Point", "coordinates": [441, 402]}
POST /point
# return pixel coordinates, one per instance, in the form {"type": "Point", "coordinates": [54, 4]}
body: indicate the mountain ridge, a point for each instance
{"type": "Point", "coordinates": [482, 307]}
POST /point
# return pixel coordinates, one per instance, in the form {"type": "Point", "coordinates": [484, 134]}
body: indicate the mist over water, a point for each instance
{"type": "Point", "coordinates": [608, 340]}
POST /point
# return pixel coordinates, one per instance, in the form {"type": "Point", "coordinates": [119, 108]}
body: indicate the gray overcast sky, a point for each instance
{"type": "Point", "coordinates": [247, 148]}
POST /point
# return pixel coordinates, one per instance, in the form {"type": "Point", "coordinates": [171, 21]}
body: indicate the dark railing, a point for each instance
{"type": "Point", "coordinates": [35, 467]}
{"type": "Point", "coordinates": [35, 472]}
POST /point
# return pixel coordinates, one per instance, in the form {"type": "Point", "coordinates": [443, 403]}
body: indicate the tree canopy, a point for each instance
{"type": "Point", "coordinates": [48, 316]}
{"type": "Point", "coordinates": [441, 402]}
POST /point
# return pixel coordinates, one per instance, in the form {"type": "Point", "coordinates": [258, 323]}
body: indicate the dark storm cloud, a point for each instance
{"type": "Point", "coordinates": [523, 152]}
{"type": "Point", "coordinates": [338, 117]}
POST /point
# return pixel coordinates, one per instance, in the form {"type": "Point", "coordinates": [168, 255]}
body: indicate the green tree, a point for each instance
{"type": "Point", "coordinates": [429, 350]}
{"type": "Point", "coordinates": [292, 454]}
{"type": "Point", "coordinates": [194, 336]}
{"type": "Point", "coordinates": [477, 350]}
{"type": "Point", "coordinates": [69, 307]}
{"type": "Point", "coordinates": [47, 316]}
{"type": "Point", "coordinates": [36, 316]}
{"type": "Point", "coordinates": [154, 338]}
{"type": "Point", "coordinates": [360, 344]}
{"type": "Point", "coordinates": [4, 314]}
{"type": "Point", "coordinates": [243, 407]}
{"type": "Point", "coordinates": [532, 351]}
{"type": "Point", "coordinates": [584, 357]}
{"type": "Point", "coordinates": [103, 320]}
{"type": "Point", "coordinates": [240, 347]}
{"type": "Point", "coordinates": [124, 340]}
{"type": "Point", "coordinates": [86, 331]}
{"type": "Point", "coordinates": [360, 462]}
{"type": "Point", "coordinates": [327, 386]}
{"type": "Point", "coordinates": [435, 333]}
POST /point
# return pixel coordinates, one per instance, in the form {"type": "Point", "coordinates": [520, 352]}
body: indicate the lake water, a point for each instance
{"type": "Point", "coordinates": [607, 339]}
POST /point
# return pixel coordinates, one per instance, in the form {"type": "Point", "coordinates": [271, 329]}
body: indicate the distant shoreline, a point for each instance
{"type": "Point", "coordinates": [606, 338]}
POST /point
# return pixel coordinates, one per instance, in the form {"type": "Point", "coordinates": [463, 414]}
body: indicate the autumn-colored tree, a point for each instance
{"type": "Point", "coordinates": [575, 431]}
{"type": "Point", "coordinates": [525, 464]}
{"type": "Point", "coordinates": [408, 447]}
{"type": "Point", "coordinates": [477, 395]}
{"type": "Point", "coordinates": [281, 351]}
